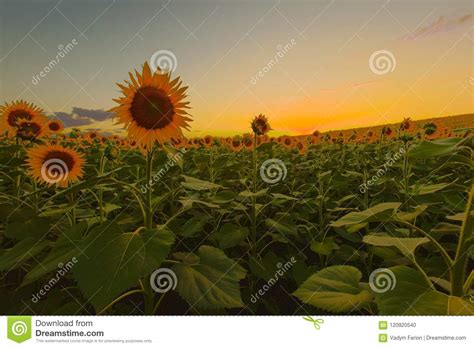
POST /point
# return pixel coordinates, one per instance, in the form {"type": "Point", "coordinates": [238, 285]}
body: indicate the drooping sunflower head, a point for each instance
{"type": "Point", "coordinates": [260, 125]}
{"type": "Point", "coordinates": [387, 131]}
{"type": "Point", "coordinates": [11, 114]}
{"type": "Point", "coordinates": [429, 128]}
{"type": "Point", "coordinates": [55, 165]}
{"type": "Point", "coordinates": [152, 107]}
{"type": "Point", "coordinates": [406, 123]}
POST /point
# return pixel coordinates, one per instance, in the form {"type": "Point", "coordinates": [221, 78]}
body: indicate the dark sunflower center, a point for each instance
{"type": "Point", "coordinates": [59, 157]}
{"type": "Point", "coordinates": [15, 115]}
{"type": "Point", "coordinates": [235, 143]}
{"type": "Point", "coordinates": [30, 127]}
{"type": "Point", "coordinates": [152, 108]}
{"type": "Point", "coordinates": [54, 126]}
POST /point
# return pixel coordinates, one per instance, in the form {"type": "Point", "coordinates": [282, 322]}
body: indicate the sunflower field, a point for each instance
{"type": "Point", "coordinates": [379, 222]}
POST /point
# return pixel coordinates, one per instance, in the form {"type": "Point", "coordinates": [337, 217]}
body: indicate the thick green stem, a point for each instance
{"type": "Point", "coordinates": [149, 190]}
{"type": "Point", "coordinates": [159, 302]}
{"type": "Point", "coordinates": [72, 198]}
{"type": "Point", "coordinates": [18, 177]}
{"type": "Point", "coordinates": [118, 299]}
{"type": "Point", "coordinates": [405, 174]}
{"type": "Point", "coordinates": [254, 198]}
{"type": "Point", "coordinates": [149, 295]}
{"type": "Point", "coordinates": [101, 190]}
{"type": "Point", "coordinates": [447, 259]}
{"type": "Point", "coordinates": [460, 260]}
{"type": "Point", "coordinates": [35, 196]}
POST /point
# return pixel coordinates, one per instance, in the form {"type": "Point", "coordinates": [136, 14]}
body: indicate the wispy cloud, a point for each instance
{"type": "Point", "coordinates": [441, 25]}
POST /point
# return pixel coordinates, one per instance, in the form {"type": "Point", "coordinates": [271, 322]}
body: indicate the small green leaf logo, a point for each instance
{"type": "Point", "coordinates": [19, 328]}
{"type": "Point", "coordinates": [316, 322]}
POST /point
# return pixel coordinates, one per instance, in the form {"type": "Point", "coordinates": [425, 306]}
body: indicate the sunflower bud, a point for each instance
{"type": "Point", "coordinates": [111, 153]}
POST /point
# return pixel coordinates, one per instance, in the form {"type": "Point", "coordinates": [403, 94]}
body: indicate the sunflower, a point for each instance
{"type": "Point", "coordinates": [178, 143]}
{"type": "Point", "coordinates": [260, 125]}
{"type": "Point", "coordinates": [152, 107]}
{"type": "Point", "coordinates": [92, 137]}
{"type": "Point", "coordinates": [55, 126]}
{"type": "Point", "coordinates": [30, 129]}
{"type": "Point", "coordinates": [247, 141]}
{"type": "Point", "coordinates": [208, 141]}
{"type": "Point", "coordinates": [197, 142]}
{"type": "Point", "coordinates": [11, 114]}
{"type": "Point", "coordinates": [131, 144]}
{"type": "Point", "coordinates": [287, 141]}
{"type": "Point", "coordinates": [260, 141]}
{"type": "Point", "coordinates": [301, 146]}
{"type": "Point", "coordinates": [55, 164]}
{"type": "Point", "coordinates": [236, 144]}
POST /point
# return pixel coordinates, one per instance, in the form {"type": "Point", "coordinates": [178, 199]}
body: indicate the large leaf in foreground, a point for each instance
{"type": "Point", "coordinates": [230, 235]}
{"type": "Point", "coordinates": [64, 249]}
{"type": "Point", "coordinates": [407, 246]}
{"type": "Point", "coordinates": [437, 303]}
{"type": "Point", "coordinates": [209, 279]}
{"type": "Point", "coordinates": [335, 289]}
{"type": "Point", "coordinates": [380, 212]}
{"type": "Point", "coordinates": [408, 286]}
{"type": "Point", "coordinates": [427, 149]}
{"type": "Point", "coordinates": [113, 261]}
{"type": "Point", "coordinates": [413, 296]}
{"type": "Point", "coordinates": [20, 253]}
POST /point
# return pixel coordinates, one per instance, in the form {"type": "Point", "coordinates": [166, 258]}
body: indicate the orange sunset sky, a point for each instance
{"type": "Point", "coordinates": [306, 65]}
